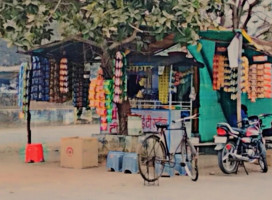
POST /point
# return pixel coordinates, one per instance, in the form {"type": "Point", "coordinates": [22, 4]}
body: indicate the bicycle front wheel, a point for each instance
{"type": "Point", "coordinates": [191, 166]}
{"type": "Point", "coordinates": [151, 158]}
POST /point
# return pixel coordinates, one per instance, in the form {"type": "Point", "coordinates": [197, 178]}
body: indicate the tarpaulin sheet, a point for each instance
{"type": "Point", "coordinates": [210, 109]}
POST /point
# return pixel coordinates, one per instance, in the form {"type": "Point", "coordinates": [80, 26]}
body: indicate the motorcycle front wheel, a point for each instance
{"type": "Point", "coordinates": [227, 164]}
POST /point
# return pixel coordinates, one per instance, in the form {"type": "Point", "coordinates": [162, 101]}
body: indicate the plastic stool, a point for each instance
{"type": "Point", "coordinates": [114, 160]}
{"type": "Point", "coordinates": [167, 171]}
{"type": "Point", "coordinates": [34, 153]}
{"type": "Point", "coordinates": [178, 167]}
{"type": "Point", "coordinates": [130, 163]}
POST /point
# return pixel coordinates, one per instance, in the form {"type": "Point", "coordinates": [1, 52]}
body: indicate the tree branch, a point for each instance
{"type": "Point", "coordinates": [127, 40]}
{"type": "Point", "coordinates": [262, 32]}
{"type": "Point", "coordinates": [249, 14]}
{"type": "Point", "coordinates": [55, 9]}
{"type": "Point", "coordinates": [87, 41]}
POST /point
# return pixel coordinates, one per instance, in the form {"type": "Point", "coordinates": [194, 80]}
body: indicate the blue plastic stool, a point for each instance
{"type": "Point", "coordinates": [130, 163]}
{"type": "Point", "coordinates": [178, 167]}
{"type": "Point", "coordinates": [167, 170]}
{"type": "Point", "coordinates": [115, 160]}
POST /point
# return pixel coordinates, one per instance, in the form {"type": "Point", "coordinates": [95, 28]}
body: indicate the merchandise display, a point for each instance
{"type": "Point", "coordinates": [164, 85]}
{"type": "Point", "coordinates": [40, 79]}
{"type": "Point", "coordinates": [101, 98]}
{"type": "Point", "coordinates": [260, 81]}
{"type": "Point", "coordinates": [120, 77]}
{"type": "Point", "coordinates": [255, 79]}
{"type": "Point", "coordinates": [63, 76]}
{"type": "Point", "coordinates": [80, 82]}
{"type": "Point", "coordinates": [54, 85]}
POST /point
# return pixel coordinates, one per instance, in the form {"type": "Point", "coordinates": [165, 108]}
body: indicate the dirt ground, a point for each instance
{"type": "Point", "coordinates": [47, 180]}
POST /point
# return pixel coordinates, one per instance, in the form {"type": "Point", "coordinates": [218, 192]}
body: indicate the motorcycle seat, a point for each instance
{"type": "Point", "coordinates": [233, 130]}
{"type": "Point", "coordinates": [267, 132]}
{"type": "Point", "coordinates": [242, 131]}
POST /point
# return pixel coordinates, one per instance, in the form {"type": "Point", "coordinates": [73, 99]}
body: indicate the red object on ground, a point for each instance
{"type": "Point", "coordinates": [34, 153]}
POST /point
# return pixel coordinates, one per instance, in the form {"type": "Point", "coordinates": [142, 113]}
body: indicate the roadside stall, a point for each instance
{"type": "Point", "coordinates": [227, 83]}
{"type": "Point", "coordinates": [159, 88]}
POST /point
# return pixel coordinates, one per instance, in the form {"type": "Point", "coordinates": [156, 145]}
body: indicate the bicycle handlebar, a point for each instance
{"type": "Point", "coordinates": [195, 116]}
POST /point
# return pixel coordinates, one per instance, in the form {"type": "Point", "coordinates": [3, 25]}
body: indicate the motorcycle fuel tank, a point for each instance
{"type": "Point", "coordinates": [252, 131]}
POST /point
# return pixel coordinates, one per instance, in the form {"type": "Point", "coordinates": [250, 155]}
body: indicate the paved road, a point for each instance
{"type": "Point", "coordinates": [43, 181]}
{"type": "Point", "coordinates": [45, 134]}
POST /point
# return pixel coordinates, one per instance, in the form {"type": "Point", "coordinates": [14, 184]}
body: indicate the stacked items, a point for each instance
{"type": "Point", "coordinates": [108, 88]}
{"type": "Point", "coordinates": [40, 79]}
{"type": "Point", "coordinates": [120, 78]}
{"type": "Point", "coordinates": [260, 81]}
{"type": "Point", "coordinates": [97, 98]}
{"type": "Point", "coordinates": [218, 71]}
{"type": "Point", "coordinates": [54, 82]}
{"type": "Point", "coordinates": [23, 88]}
{"type": "Point", "coordinates": [224, 76]}
{"type": "Point", "coordinates": [252, 94]}
{"type": "Point", "coordinates": [244, 75]}
{"type": "Point", "coordinates": [163, 85]}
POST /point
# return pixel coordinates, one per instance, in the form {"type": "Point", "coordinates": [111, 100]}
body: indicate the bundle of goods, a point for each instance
{"type": "Point", "coordinates": [77, 82]}
{"type": "Point", "coordinates": [40, 79]}
{"type": "Point", "coordinates": [63, 75]}
{"type": "Point", "coordinates": [218, 71]}
{"type": "Point", "coordinates": [23, 88]}
{"type": "Point", "coordinates": [100, 97]}
{"type": "Point", "coordinates": [164, 85]}
{"type": "Point", "coordinates": [120, 77]}
{"type": "Point", "coordinates": [244, 75]}
{"type": "Point", "coordinates": [108, 88]}
{"type": "Point", "coordinates": [260, 81]}
{"type": "Point", "coordinates": [224, 76]}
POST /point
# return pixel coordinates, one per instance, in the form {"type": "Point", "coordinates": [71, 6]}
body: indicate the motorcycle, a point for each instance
{"type": "Point", "coordinates": [238, 145]}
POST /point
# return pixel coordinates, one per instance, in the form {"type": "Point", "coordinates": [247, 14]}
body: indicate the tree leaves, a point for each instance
{"type": "Point", "coordinates": [101, 20]}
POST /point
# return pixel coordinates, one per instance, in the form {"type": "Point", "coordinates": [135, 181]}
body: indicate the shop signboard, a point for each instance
{"type": "Point", "coordinates": [151, 117]}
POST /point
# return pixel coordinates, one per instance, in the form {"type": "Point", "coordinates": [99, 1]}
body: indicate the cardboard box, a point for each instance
{"type": "Point", "coordinates": [77, 152]}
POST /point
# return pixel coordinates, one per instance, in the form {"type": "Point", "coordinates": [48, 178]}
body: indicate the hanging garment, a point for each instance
{"type": "Point", "coordinates": [233, 52]}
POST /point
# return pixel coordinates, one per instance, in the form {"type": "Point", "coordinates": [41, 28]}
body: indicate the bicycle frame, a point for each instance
{"type": "Point", "coordinates": [184, 140]}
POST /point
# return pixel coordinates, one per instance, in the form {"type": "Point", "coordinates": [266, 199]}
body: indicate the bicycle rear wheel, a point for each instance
{"type": "Point", "coordinates": [191, 159]}
{"type": "Point", "coordinates": [151, 158]}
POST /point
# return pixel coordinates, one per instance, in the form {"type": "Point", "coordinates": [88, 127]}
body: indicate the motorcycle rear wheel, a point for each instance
{"type": "Point", "coordinates": [262, 159]}
{"type": "Point", "coordinates": [225, 163]}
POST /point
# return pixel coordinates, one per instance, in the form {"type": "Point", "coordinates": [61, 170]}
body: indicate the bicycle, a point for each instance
{"type": "Point", "coordinates": [154, 153]}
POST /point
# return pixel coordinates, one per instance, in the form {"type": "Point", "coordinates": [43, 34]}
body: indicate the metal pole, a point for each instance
{"type": "Point", "coordinates": [239, 117]}
{"type": "Point", "coordinates": [28, 105]}
{"type": "Point", "coordinates": [170, 87]}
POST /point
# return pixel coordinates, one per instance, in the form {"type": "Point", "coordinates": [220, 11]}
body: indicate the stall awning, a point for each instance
{"type": "Point", "coordinates": [251, 46]}
{"type": "Point", "coordinates": [176, 59]}
{"type": "Point", "coordinates": [75, 50]}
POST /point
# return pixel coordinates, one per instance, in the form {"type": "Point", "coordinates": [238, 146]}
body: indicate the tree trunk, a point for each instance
{"type": "Point", "coordinates": [123, 112]}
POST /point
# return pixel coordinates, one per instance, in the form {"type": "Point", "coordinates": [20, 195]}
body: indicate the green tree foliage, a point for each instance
{"type": "Point", "coordinates": [108, 24]}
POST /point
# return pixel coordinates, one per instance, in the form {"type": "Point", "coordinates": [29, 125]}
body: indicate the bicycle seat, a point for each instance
{"type": "Point", "coordinates": [161, 125]}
